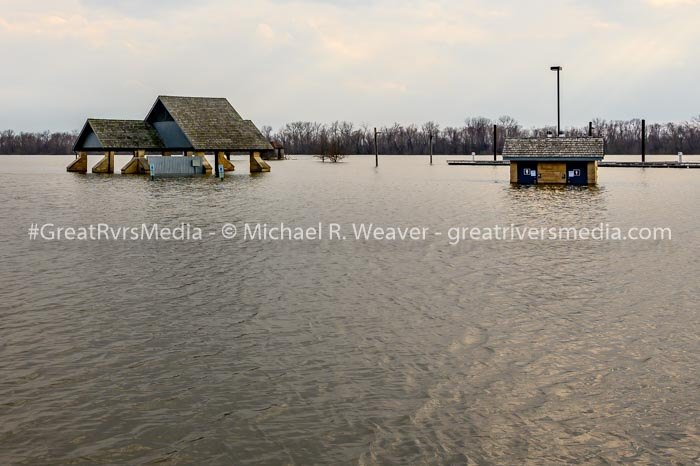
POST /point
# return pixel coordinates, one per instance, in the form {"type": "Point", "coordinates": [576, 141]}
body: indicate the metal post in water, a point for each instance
{"type": "Point", "coordinates": [152, 169]}
{"type": "Point", "coordinates": [376, 149]}
{"type": "Point", "coordinates": [221, 171]}
{"type": "Point", "coordinates": [495, 142]}
{"type": "Point", "coordinates": [431, 148]}
{"type": "Point", "coordinates": [644, 141]}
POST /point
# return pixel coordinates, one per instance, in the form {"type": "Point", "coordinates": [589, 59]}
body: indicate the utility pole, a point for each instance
{"type": "Point", "coordinates": [558, 69]}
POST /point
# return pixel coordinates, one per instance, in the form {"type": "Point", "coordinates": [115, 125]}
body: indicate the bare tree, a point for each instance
{"type": "Point", "coordinates": [305, 137]}
{"type": "Point", "coordinates": [36, 143]}
{"type": "Point", "coordinates": [332, 140]}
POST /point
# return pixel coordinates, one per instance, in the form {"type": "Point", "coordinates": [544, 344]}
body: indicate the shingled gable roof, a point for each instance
{"type": "Point", "coordinates": [212, 124]}
{"type": "Point", "coordinates": [119, 135]}
{"type": "Point", "coordinates": [580, 148]}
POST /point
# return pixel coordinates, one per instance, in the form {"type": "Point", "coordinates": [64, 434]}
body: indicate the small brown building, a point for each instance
{"type": "Point", "coordinates": [554, 160]}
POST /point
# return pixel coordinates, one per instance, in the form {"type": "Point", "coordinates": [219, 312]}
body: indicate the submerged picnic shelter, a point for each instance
{"type": "Point", "coordinates": [552, 160]}
{"type": "Point", "coordinates": [191, 126]}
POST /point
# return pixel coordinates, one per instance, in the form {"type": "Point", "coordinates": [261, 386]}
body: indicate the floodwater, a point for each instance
{"type": "Point", "coordinates": [218, 351]}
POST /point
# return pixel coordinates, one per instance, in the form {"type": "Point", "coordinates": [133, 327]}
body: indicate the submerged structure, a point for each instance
{"type": "Point", "coordinates": [553, 160]}
{"type": "Point", "coordinates": [191, 126]}
{"type": "Point", "coordinates": [277, 153]}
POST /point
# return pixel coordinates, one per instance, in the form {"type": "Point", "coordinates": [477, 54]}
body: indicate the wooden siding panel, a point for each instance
{"type": "Point", "coordinates": [592, 172]}
{"type": "Point", "coordinates": [551, 173]}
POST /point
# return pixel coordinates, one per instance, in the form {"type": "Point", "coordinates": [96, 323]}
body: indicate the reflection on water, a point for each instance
{"type": "Point", "coordinates": [348, 352]}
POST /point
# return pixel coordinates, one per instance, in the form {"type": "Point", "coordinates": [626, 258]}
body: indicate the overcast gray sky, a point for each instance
{"type": "Point", "coordinates": [372, 61]}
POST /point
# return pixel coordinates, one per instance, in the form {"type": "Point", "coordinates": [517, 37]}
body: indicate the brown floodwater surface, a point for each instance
{"type": "Point", "coordinates": [219, 351]}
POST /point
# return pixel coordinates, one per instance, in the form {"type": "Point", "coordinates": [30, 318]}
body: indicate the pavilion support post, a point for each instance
{"type": "Point", "coordinates": [205, 162]}
{"type": "Point", "coordinates": [257, 164]}
{"type": "Point", "coordinates": [106, 165]}
{"type": "Point", "coordinates": [221, 158]}
{"type": "Point", "coordinates": [138, 165]}
{"type": "Point", "coordinates": [80, 164]}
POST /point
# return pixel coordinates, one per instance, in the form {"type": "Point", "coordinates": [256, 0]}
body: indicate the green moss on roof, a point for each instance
{"type": "Point", "coordinates": [213, 124]}
{"type": "Point", "coordinates": [551, 148]}
{"type": "Point", "coordinates": [125, 134]}
{"type": "Point", "coordinates": [208, 123]}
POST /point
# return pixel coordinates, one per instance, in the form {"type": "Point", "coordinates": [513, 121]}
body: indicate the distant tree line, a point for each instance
{"type": "Point", "coordinates": [36, 143]}
{"type": "Point", "coordinates": [475, 135]}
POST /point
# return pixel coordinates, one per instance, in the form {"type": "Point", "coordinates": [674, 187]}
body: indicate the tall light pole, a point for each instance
{"type": "Point", "coordinates": [558, 69]}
